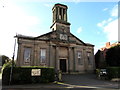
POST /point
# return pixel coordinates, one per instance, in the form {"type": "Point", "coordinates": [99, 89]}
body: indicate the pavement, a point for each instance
{"type": "Point", "coordinates": [70, 82]}
{"type": "Point", "coordinates": [90, 81]}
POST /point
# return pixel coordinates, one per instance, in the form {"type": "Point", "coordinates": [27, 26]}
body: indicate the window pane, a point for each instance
{"type": "Point", "coordinates": [43, 55]}
{"type": "Point", "coordinates": [79, 57]}
{"type": "Point", "coordinates": [27, 55]}
{"type": "Point", "coordinates": [43, 52]}
{"type": "Point", "coordinates": [89, 58]}
{"type": "Point", "coordinates": [79, 54]}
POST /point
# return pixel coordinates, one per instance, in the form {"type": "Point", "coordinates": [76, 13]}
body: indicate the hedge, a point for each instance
{"type": "Point", "coordinates": [113, 72]}
{"type": "Point", "coordinates": [22, 75]}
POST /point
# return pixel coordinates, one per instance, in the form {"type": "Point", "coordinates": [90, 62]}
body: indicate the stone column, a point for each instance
{"type": "Point", "coordinates": [69, 59]}
{"type": "Point", "coordinates": [58, 9]}
{"type": "Point", "coordinates": [93, 58]}
{"type": "Point", "coordinates": [62, 16]}
{"type": "Point", "coordinates": [57, 58]}
{"type": "Point", "coordinates": [74, 59]}
{"type": "Point", "coordinates": [85, 59]}
{"type": "Point", "coordinates": [56, 14]}
{"type": "Point", "coordinates": [53, 15]}
{"type": "Point", "coordinates": [35, 60]}
{"type": "Point", "coordinates": [66, 14]}
{"type": "Point", "coordinates": [38, 55]}
{"type": "Point", "coordinates": [19, 54]}
{"type": "Point", "coordinates": [50, 61]}
{"type": "Point", "coordinates": [32, 56]}
{"type": "Point", "coordinates": [21, 58]}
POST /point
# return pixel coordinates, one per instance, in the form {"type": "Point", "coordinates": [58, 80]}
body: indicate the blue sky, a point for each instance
{"type": "Point", "coordinates": [92, 22]}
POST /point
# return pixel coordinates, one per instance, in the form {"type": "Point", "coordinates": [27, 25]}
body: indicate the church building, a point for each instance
{"type": "Point", "coordinates": [59, 48]}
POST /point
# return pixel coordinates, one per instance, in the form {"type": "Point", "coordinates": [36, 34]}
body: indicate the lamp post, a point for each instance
{"type": "Point", "coordinates": [11, 73]}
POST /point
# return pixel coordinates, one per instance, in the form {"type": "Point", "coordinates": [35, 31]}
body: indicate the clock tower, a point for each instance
{"type": "Point", "coordinates": [60, 23]}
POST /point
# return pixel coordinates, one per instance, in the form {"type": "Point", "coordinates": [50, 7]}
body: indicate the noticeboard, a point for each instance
{"type": "Point", "coordinates": [36, 72]}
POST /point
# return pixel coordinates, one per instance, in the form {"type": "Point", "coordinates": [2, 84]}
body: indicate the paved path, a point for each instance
{"type": "Point", "coordinates": [89, 80]}
{"type": "Point", "coordinates": [70, 82]}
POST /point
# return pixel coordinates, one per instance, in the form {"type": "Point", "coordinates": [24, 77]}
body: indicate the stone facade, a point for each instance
{"type": "Point", "coordinates": [59, 48]}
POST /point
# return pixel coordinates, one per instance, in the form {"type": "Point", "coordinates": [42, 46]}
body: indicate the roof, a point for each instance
{"type": "Point", "coordinates": [108, 45]}
{"type": "Point", "coordinates": [24, 36]}
{"type": "Point", "coordinates": [58, 4]}
{"type": "Point", "coordinates": [88, 44]}
{"type": "Point", "coordinates": [78, 39]}
{"type": "Point", "coordinates": [47, 34]}
{"type": "Point", "coordinates": [44, 34]}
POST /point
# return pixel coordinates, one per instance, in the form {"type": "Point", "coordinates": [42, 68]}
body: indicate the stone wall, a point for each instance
{"type": "Point", "coordinates": [54, 53]}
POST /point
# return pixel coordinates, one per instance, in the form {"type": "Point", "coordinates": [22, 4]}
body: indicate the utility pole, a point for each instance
{"type": "Point", "coordinates": [11, 73]}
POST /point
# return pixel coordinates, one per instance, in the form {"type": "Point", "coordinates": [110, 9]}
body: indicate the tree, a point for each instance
{"type": "Point", "coordinates": [113, 56]}
{"type": "Point", "coordinates": [5, 59]}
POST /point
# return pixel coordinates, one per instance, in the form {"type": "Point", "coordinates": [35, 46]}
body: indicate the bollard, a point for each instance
{"type": "Point", "coordinates": [60, 75]}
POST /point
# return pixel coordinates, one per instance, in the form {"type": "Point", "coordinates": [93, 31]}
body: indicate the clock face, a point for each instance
{"type": "Point", "coordinates": [63, 37]}
{"type": "Point", "coordinates": [63, 28]}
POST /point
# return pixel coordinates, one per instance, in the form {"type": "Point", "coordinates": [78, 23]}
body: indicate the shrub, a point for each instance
{"type": "Point", "coordinates": [22, 75]}
{"type": "Point", "coordinates": [97, 71]}
{"type": "Point", "coordinates": [113, 56]}
{"type": "Point", "coordinates": [8, 64]}
{"type": "Point", "coordinates": [113, 72]}
{"type": "Point", "coordinates": [6, 75]}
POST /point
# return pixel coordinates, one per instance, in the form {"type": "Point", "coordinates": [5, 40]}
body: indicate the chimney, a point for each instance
{"type": "Point", "coordinates": [108, 44]}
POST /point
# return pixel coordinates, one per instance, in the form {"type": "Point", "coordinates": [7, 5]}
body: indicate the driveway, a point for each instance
{"type": "Point", "coordinates": [89, 81]}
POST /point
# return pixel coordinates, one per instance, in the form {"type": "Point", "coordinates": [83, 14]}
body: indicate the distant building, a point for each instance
{"type": "Point", "coordinates": [59, 48]}
{"type": "Point", "coordinates": [101, 54]}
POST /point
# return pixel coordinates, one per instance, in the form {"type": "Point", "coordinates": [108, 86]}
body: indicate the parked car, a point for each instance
{"type": "Point", "coordinates": [103, 72]}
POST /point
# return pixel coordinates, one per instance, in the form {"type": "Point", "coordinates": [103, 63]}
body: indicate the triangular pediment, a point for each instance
{"type": "Point", "coordinates": [44, 36]}
{"type": "Point", "coordinates": [56, 36]}
{"type": "Point", "coordinates": [73, 38]}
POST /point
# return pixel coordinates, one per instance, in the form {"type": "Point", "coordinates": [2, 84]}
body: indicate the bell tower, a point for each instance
{"type": "Point", "coordinates": [60, 18]}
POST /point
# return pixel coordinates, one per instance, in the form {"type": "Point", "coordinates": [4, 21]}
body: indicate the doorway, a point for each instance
{"type": "Point", "coordinates": [63, 65]}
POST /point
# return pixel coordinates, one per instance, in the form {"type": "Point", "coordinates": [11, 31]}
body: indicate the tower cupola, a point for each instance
{"type": "Point", "coordinates": [59, 17]}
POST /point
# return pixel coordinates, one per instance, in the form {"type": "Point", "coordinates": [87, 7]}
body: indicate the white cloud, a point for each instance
{"type": "Point", "coordinates": [101, 24]}
{"type": "Point", "coordinates": [112, 30]}
{"type": "Point", "coordinates": [110, 19]}
{"type": "Point", "coordinates": [105, 9]}
{"type": "Point", "coordinates": [104, 22]}
{"type": "Point", "coordinates": [114, 11]}
{"type": "Point", "coordinates": [48, 5]}
{"type": "Point", "coordinates": [110, 26]}
{"type": "Point", "coordinates": [79, 30]}
{"type": "Point", "coordinates": [14, 20]}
